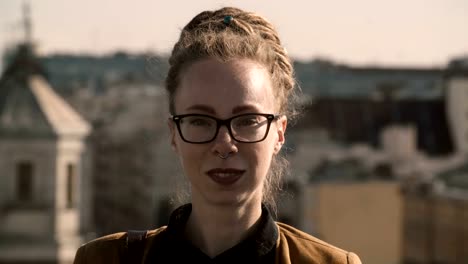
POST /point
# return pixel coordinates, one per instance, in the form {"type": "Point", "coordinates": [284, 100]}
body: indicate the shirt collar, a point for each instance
{"type": "Point", "coordinates": [258, 243]}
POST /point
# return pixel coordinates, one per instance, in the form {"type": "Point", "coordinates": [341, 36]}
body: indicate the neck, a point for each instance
{"type": "Point", "coordinates": [216, 228]}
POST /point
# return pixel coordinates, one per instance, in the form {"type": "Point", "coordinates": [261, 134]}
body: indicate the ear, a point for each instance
{"type": "Point", "coordinates": [172, 130]}
{"type": "Point", "coordinates": [281, 125]}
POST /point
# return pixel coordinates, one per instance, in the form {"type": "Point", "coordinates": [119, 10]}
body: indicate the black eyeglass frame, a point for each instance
{"type": "Point", "coordinates": [224, 122]}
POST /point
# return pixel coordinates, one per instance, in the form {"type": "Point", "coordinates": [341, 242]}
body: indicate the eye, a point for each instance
{"type": "Point", "coordinates": [247, 121]}
{"type": "Point", "coordinates": [199, 121]}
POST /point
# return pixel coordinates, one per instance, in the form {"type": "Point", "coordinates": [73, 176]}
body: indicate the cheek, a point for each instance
{"type": "Point", "coordinates": [263, 156]}
{"type": "Point", "coordinates": [190, 156]}
{"type": "Point", "coordinates": [269, 150]}
{"type": "Point", "coordinates": [185, 153]}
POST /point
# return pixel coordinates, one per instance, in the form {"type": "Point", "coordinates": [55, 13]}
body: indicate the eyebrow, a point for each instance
{"type": "Point", "coordinates": [203, 108]}
{"type": "Point", "coordinates": [211, 110]}
{"type": "Point", "coordinates": [244, 108]}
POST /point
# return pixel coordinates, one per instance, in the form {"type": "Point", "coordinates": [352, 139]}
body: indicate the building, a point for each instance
{"type": "Point", "coordinates": [43, 168]}
{"type": "Point", "coordinates": [133, 164]}
{"type": "Point", "coordinates": [350, 196]}
{"type": "Point", "coordinates": [356, 197]}
{"type": "Point", "coordinates": [361, 216]}
{"type": "Point", "coordinates": [456, 97]}
{"type": "Point", "coordinates": [354, 104]}
{"type": "Point", "coordinates": [436, 218]}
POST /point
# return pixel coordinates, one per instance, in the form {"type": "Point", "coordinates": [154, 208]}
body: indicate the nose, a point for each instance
{"type": "Point", "coordinates": [223, 135]}
{"type": "Point", "coordinates": [223, 142]}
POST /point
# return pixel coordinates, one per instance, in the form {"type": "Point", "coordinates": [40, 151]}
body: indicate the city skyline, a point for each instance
{"type": "Point", "coordinates": [408, 34]}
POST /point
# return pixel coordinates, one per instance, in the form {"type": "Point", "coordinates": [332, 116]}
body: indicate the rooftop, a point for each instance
{"type": "Point", "coordinates": [29, 107]}
{"type": "Point", "coordinates": [325, 79]}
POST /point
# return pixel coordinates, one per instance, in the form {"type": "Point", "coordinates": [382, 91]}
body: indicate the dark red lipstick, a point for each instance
{"type": "Point", "coordinates": [225, 176]}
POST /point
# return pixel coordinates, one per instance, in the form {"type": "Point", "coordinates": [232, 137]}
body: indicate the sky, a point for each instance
{"type": "Point", "coordinates": [406, 33]}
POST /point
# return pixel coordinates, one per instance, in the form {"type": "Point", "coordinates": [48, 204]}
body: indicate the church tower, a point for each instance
{"type": "Point", "coordinates": [43, 167]}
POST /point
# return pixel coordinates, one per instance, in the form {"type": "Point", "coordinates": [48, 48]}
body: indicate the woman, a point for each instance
{"type": "Point", "coordinates": [231, 93]}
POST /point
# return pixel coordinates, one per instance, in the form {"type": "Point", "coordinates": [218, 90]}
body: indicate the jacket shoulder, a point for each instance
{"type": "Point", "coordinates": [109, 249]}
{"type": "Point", "coordinates": [300, 247]}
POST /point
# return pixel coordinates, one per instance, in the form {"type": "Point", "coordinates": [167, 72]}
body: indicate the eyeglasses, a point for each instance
{"type": "Point", "coordinates": [245, 128]}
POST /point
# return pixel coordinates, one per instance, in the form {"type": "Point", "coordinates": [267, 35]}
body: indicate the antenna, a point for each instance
{"type": "Point", "coordinates": [27, 23]}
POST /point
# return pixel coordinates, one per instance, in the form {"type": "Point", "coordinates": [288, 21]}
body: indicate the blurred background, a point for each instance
{"type": "Point", "coordinates": [378, 160]}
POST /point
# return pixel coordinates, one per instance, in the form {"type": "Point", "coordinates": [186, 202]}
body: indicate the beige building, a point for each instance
{"type": "Point", "coordinates": [436, 219]}
{"type": "Point", "coordinates": [43, 168]}
{"type": "Point", "coordinates": [363, 217]}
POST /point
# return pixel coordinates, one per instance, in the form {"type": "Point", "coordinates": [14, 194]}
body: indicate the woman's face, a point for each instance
{"type": "Point", "coordinates": [223, 90]}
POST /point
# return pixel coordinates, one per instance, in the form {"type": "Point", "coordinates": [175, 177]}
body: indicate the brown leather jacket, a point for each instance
{"type": "Point", "coordinates": [293, 246]}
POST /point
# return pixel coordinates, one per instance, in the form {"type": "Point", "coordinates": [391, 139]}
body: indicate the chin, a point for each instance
{"type": "Point", "coordinates": [229, 199]}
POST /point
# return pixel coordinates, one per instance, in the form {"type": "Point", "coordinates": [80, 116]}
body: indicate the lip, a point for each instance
{"type": "Point", "coordinates": [225, 176]}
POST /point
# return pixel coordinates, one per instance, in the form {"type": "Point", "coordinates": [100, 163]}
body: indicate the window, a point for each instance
{"type": "Point", "coordinates": [71, 177]}
{"type": "Point", "coordinates": [24, 181]}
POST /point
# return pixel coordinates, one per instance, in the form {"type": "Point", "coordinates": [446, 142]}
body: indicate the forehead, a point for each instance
{"type": "Point", "coordinates": [224, 86]}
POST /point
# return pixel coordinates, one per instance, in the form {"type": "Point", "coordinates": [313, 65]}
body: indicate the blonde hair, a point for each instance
{"type": "Point", "coordinates": [231, 33]}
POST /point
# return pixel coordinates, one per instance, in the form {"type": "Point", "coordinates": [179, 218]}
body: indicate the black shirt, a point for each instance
{"type": "Point", "coordinates": [173, 247]}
